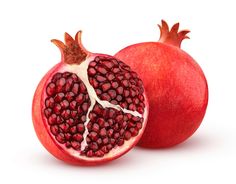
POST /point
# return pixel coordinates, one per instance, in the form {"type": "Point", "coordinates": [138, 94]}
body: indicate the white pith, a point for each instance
{"type": "Point", "coordinates": [81, 71]}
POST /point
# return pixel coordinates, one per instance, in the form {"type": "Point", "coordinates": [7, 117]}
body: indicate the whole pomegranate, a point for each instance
{"type": "Point", "coordinates": [89, 108]}
{"type": "Point", "coordinates": [175, 86]}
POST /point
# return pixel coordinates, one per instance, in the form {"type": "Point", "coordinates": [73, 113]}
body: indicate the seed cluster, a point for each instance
{"type": "Point", "coordinates": [109, 128]}
{"type": "Point", "coordinates": [67, 103]}
{"type": "Point", "coordinates": [115, 82]}
{"type": "Point", "coordinates": [66, 107]}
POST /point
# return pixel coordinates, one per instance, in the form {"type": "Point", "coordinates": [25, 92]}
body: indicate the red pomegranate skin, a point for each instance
{"type": "Point", "coordinates": [90, 128]}
{"type": "Point", "coordinates": [175, 86]}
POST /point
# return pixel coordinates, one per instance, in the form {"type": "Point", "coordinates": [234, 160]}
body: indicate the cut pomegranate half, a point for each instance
{"type": "Point", "coordinates": [89, 108]}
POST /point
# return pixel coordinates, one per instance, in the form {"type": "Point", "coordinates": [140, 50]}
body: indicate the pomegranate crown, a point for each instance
{"type": "Point", "coordinates": [72, 51]}
{"type": "Point", "coordinates": [172, 36]}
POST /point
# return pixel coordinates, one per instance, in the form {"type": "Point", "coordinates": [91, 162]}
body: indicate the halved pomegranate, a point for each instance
{"type": "Point", "coordinates": [89, 108]}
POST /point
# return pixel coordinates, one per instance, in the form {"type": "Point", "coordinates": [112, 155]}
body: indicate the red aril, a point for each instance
{"type": "Point", "coordinates": [175, 86]}
{"type": "Point", "coordinates": [89, 108]}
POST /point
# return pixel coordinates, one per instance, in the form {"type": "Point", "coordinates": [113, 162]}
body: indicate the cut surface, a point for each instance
{"type": "Point", "coordinates": [94, 108]}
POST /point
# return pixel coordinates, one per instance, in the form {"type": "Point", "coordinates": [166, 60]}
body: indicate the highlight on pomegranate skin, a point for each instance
{"type": "Point", "coordinates": [89, 108]}
{"type": "Point", "coordinates": [175, 86]}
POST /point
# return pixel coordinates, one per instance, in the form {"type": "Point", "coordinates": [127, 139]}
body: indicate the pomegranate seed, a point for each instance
{"type": "Point", "coordinates": [106, 86]}
{"type": "Point", "coordinates": [95, 127]}
{"type": "Point", "coordinates": [92, 64]}
{"type": "Point", "coordinates": [56, 76]}
{"type": "Point", "coordinates": [101, 122]}
{"type": "Point", "coordinates": [64, 104]}
{"type": "Point", "coordinates": [109, 146]}
{"type": "Point", "coordinates": [106, 97]}
{"type": "Point", "coordinates": [99, 141]}
{"type": "Point", "coordinates": [127, 135]}
{"type": "Point", "coordinates": [93, 146]}
{"type": "Point", "coordinates": [101, 78]}
{"type": "Point", "coordinates": [119, 98]}
{"type": "Point", "coordinates": [93, 136]}
{"type": "Point", "coordinates": [82, 88]}
{"type": "Point", "coordinates": [54, 129]}
{"type": "Point", "coordinates": [89, 126]}
{"type": "Point", "coordinates": [126, 93]}
{"type": "Point", "coordinates": [69, 96]}
{"type": "Point", "coordinates": [68, 136]}
{"type": "Point", "coordinates": [120, 90]}
{"type": "Point", "coordinates": [83, 118]}
{"type": "Point", "coordinates": [47, 112]}
{"type": "Point", "coordinates": [133, 131]}
{"type": "Point", "coordinates": [111, 122]}
{"type": "Point", "coordinates": [75, 88]}
{"type": "Point", "coordinates": [74, 114]}
{"type": "Point", "coordinates": [139, 125]}
{"type": "Point", "coordinates": [116, 135]}
{"type": "Point", "coordinates": [115, 70]}
{"type": "Point", "coordinates": [91, 71]}
{"type": "Point", "coordinates": [136, 118]}
{"type": "Point", "coordinates": [59, 120]}
{"type": "Point", "coordinates": [104, 149]}
{"type": "Point", "coordinates": [101, 70]}
{"type": "Point", "coordinates": [103, 132]}
{"type": "Point", "coordinates": [73, 105]}
{"type": "Point", "coordinates": [112, 141]}
{"type": "Point", "coordinates": [61, 82]}
{"type": "Point", "coordinates": [75, 145]}
{"type": "Point", "coordinates": [57, 109]}
{"type": "Point", "coordinates": [110, 132]}
{"type": "Point", "coordinates": [98, 91]}
{"type": "Point", "coordinates": [140, 110]}
{"type": "Point", "coordinates": [127, 75]}
{"type": "Point", "coordinates": [80, 128]}
{"type": "Point", "coordinates": [125, 83]}
{"type": "Point", "coordinates": [59, 97]}
{"type": "Point", "coordinates": [119, 118]}
{"type": "Point", "coordinates": [78, 137]}
{"type": "Point", "coordinates": [120, 142]}
{"type": "Point", "coordinates": [68, 144]}
{"type": "Point", "coordinates": [80, 98]}
{"type": "Point", "coordinates": [89, 153]}
{"type": "Point", "coordinates": [112, 93]}
{"type": "Point", "coordinates": [49, 102]}
{"type": "Point", "coordinates": [65, 127]}
{"type": "Point", "coordinates": [108, 64]}
{"type": "Point", "coordinates": [105, 140]}
{"type": "Point", "coordinates": [51, 89]}
{"type": "Point", "coordinates": [60, 138]}
{"type": "Point", "coordinates": [114, 85]}
{"type": "Point", "coordinates": [75, 77]}
{"type": "Point", "coordinates": [110, 76]}
{"type": "Point", "coordinates": [73, 130]}
{"type": "Point", "coordinates": [65, 114]}
{"type": "Point", "coordinates": [99, 153]}
{"type": "Point", "coordinates": [88, 140]}
{"type": "Point", "coordinates": [129, 100]}
{"type": "Point", "coordinates": [52, 119]}
{"type": "Point", "coordinates": [85, 107]}
{"type": "Point", "coordinates": [114, 102]}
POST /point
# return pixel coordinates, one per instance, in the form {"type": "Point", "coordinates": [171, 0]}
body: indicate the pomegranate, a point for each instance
{"type": "Point", "coordinates": [89, 108]}
{"type": "Point", "coordinates": [175, 86]}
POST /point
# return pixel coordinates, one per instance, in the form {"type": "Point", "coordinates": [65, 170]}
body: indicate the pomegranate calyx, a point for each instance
{"type": "Point", "coordinates": [172, 36]}
{"type": "Point", "coordinates": [72, 51]}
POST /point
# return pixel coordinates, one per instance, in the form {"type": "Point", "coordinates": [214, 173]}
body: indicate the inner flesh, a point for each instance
{"type": "Point", "coordinates": [95, 107]}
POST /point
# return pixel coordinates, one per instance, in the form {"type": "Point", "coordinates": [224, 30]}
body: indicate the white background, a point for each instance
{"type": "Point", "coordinates": [26, 54]}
